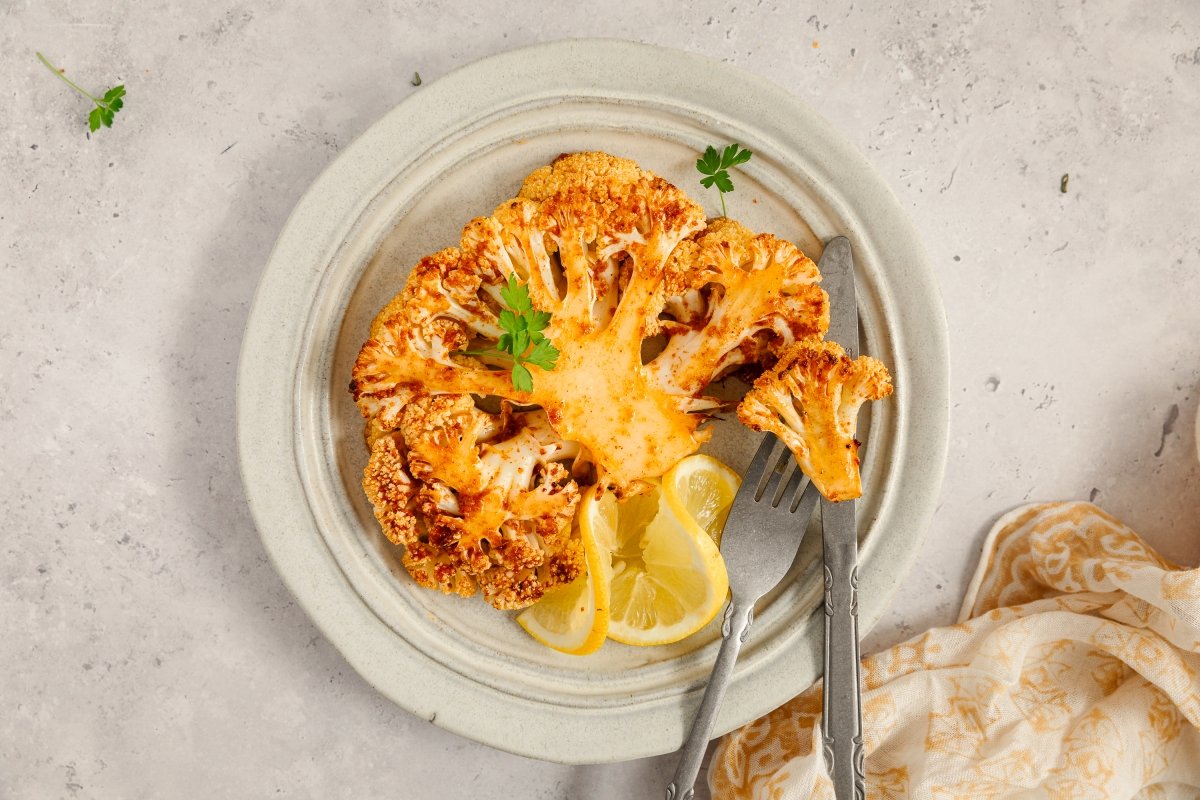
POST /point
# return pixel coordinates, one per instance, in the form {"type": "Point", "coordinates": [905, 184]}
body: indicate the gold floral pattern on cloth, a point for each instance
{"type": "Point", "coordinates": [1073, 674]}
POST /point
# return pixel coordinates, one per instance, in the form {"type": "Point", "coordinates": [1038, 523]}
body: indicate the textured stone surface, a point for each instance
{"type": "Point", "coordinates": [149, 650]}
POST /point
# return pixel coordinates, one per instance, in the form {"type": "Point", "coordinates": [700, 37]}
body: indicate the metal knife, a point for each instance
{"type": "Point", "coordinates": [841, 718]}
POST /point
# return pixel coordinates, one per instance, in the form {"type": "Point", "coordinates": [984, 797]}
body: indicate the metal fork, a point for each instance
{"type": "Point", "coordinates": [759, 547]}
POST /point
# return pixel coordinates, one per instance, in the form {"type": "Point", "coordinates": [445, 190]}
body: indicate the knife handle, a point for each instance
{"type": "Point", "coordinates": [841, 718]}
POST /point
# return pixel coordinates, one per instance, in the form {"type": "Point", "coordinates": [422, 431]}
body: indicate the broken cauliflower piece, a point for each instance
{"type": "Point", "coordinates": [810, 400]}
{"type": "Point", "coordinates": [734, 298]}
{"type": "Point", "coordinates": [477, 499]}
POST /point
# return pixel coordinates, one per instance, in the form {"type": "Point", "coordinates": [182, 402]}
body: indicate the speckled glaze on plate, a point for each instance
{"type": "Point", "coordinates": [451, 152]}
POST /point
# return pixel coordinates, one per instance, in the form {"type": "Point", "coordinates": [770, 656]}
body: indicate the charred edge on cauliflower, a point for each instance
{"type": "Point", "coordinates": [810, 400]}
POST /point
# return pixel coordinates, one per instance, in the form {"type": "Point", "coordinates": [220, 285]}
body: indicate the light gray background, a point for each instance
{"type": "Point", "coordinates": [147, 648]}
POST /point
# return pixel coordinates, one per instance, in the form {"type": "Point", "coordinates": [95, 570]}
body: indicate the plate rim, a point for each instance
{"type": "Point", "coordinates": [266, 415]}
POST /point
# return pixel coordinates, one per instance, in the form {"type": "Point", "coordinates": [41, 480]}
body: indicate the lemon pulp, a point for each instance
{"type": "Point", "coordinates": [668, 578]}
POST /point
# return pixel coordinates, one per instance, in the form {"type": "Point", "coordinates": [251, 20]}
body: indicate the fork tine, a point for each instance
{"type": "Point", "coordinates": [777, 464]}
{"type": "Point", "coordinates": [806, 500]}
{"type": "Point", "coordinates": [802, 491]}
{"type": "Point", "coordinates": [791, 479]}
{"type": "Point", "coordinates": [758, 464]}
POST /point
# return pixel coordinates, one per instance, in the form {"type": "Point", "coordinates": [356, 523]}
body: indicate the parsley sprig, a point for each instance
{"type": "Point", "coordinates": [715, 167]}
{"type": "Point", "coordinates": [106, 106]}
{"type": "Point", "coordinates": [523, 341]}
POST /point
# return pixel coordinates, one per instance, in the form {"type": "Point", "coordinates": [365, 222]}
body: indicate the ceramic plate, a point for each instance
{"type": "Point", "coordinates": [451, 152]}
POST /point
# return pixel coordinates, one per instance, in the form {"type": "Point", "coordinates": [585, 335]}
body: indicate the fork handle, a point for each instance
{"type": "Point", "coordinates": [841, 718]}
{"type": "Point", "coordinates": [738, 618]}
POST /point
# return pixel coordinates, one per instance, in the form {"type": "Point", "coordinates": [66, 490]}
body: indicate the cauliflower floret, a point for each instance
{"type": "Point", "coordinates": [441, 309]}
{"type": "Point", "coordinates": [394, 495]}
{"type": "Point", "coordinates": [477, 499]}
{"type": "Point", "coordinates": [810, 400]}
{"type": "Point", "coordinates": [734, 298]}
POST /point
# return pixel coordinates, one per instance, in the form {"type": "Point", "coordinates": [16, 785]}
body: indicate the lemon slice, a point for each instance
{"type": "Point", "coordinates": [668, 578]}
{"type": "Point", "coordinates": [701, 487]}
{"type": "Point", "coordinates": [574, 619]}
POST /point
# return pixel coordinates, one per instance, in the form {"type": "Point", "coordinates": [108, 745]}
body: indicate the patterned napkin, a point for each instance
{"type": "Point", "coordinates": [1074, 673]}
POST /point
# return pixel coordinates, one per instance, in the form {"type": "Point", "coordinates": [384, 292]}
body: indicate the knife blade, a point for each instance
{"type": "Point", "coordinates": [841, 717]}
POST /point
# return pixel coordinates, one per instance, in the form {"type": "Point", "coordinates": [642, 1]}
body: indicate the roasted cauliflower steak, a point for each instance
{"type": "Point", "coordinates": [810, 399]}
{"type": "Point", "coordinates": [648, 306]}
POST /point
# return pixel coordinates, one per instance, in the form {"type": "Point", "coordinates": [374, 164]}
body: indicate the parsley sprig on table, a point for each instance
{"type": "Point", "coordinates": [715, 167]}
{"type": "Point", "coordinates": [523, 341]}
{"type": "Point", "coordinates": [106, 106]}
